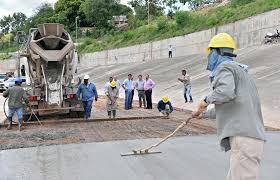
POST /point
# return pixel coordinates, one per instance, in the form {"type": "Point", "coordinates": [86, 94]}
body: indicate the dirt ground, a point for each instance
{"type": "Point", "coordinates": [84, 132]}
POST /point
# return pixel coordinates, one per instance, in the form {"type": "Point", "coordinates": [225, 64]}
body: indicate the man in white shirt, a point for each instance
{"type": "Point", "coordinates": [170, 51]}
{"type": "Point", "coordinates": [107, 85]}
{"type": "Point", "coordinates": [139, 85]}
{"type": "Point", "coordinates": [186, 80]}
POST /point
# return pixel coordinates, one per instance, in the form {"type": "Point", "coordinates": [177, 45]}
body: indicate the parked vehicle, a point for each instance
{"type": "Point", "coordinates": [52, 68]}
{"type": "Point", "coordinates": [3, 77]}
{"type": "Point", "coordinates": [9, 82]}
{"type": "Point", "coordinates": [272, 37]}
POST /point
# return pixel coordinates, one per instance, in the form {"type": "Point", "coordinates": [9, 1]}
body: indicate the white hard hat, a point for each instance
{"type": "Point", "coordinates": [86, 77]}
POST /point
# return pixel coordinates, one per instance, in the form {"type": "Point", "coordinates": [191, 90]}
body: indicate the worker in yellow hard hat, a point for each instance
{"type": "Point", "coordinates": [237, 109]}
{"type": "Point", "coordinates": [165, 107]}
{"type": "Point", "coordinates": [112, 93]}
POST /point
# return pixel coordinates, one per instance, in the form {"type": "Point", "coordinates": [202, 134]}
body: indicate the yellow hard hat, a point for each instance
{"type": "Point", "coordinates": [113, 84]}
{"type": "Point", "coordinates": [221, 40]}
{"type": "Point", "coordinates": [165, 99]}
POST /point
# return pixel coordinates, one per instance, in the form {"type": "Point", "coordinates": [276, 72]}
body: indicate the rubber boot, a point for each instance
{"type": "Point", "coordinates": [10, 124]}
{"type": "Point", "coordinates": [109, 114]}
{"type": "Point", "coordinates": [114, 113]}
{"type": "Point", "coordinates": [20, 128]}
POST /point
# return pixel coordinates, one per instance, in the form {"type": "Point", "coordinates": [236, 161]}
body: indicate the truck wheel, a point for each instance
{"type": "Point", "coordinates": [73, 114]}
{"type": "Point", "coordinates": [26, 117]}
{"type": "Point", "coordinates": [81, 114]}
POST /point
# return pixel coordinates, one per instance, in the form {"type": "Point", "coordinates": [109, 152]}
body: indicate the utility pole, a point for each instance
{"type": "Point", "coordinates": [9, 41]}
{"type": "Point", "coordinates": [77, 28]}
{"type": "Point", "coordinates": [148, 12]}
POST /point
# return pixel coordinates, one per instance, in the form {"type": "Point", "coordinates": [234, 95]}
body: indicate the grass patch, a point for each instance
{"type": "Point", "coordinates": [4, 56]}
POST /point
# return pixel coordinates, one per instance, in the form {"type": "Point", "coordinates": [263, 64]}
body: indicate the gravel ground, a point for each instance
{"type": "Point", "coordinates": [50, 134]}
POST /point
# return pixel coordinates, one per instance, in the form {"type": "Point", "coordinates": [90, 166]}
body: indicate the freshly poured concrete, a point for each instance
{"type": "Point", "coordinates": [183, 158]}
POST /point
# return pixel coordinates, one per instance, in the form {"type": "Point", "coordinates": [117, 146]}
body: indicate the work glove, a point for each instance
{"type": "Point", "coordinates": [201, 108]}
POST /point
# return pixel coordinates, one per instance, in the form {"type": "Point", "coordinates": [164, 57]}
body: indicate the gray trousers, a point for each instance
{"type": "Point", "coordinates": [142, 98]}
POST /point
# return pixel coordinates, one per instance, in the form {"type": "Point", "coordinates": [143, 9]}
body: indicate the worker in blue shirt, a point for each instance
{"type": "Point", "coordinates": [89, 92]}
{"type": "Point", "coordinates": [165, 107]}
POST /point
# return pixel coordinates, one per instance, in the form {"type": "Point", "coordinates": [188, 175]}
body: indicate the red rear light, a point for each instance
{"type": "Point", "coordinates": [32, 98]}
{"type": "Point", "coordinates": [71, 96]}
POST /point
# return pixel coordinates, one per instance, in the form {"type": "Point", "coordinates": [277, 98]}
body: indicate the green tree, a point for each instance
{"type": "Point", "coordinates": [5, 24]}
{"type": "Point", "coordinates": [183, 18]}
{"type": "Point", "coordinates": [67, 10]}
{"type": "Point", "coordinates": [44, 14]}
{"type": "Point", "coordinates": [99, 12]}
{"type": "Point", "coordinates": [172, 7]}
{"type": "Point", "coordinates": [10, 24]}
{"type": "Point", "coordinates": [141, 8]}
{"type": "Point", "coordinates": [194, 4]}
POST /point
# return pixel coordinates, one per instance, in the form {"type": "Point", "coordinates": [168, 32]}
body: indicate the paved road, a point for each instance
{"type": "Point", "coordinates": [264, 67]}
{"type": "Point", "coordinates": [194, 158]}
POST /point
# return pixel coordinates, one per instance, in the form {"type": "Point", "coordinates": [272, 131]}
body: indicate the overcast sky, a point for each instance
{"type": "Point", "coordinates": [26, 6]}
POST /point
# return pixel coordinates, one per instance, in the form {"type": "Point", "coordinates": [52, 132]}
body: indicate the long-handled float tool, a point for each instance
{"type": "Point", "coordinates": [146, 151]}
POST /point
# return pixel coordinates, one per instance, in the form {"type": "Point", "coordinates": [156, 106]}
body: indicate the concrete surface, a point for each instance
{"type": "Point", "coordinates": [8, 65]}
{"type": "Point", "coordinates": [264, 68]}
{"type": "Point", "coordinates": [192, 158]}
{"type": "Point", "coordinates": [248, 32]}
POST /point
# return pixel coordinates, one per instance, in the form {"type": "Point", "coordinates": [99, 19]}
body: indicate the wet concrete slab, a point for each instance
{"type": "Point", "coordinates": [192, 158]}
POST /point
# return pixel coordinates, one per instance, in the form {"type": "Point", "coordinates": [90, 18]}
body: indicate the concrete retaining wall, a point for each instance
{"type": "Point", "coordinates": [247, 32]}
{"type": "Point", "coordinates": [7, 65]}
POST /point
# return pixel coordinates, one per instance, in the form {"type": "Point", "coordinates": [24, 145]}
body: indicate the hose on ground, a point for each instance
{"type": "Point", "coordinates": [5, 109]}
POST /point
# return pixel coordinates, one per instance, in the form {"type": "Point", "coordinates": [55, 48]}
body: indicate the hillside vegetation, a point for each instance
{"type": "Point", "coordinates": [183, 22]}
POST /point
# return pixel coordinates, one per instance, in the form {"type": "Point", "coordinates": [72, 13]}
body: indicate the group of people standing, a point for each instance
{"type": "Point", "coordinates": [144, 87]}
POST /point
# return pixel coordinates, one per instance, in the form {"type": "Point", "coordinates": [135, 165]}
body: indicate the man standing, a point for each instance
{"type": "Point", "coordinates": [170, 51]}
{"type": "Point", "coordinates": [112, 94]}
{"type": "Point", "coordinates": [139, 85]}
{"type": "Point", "coordinates": [165, 107]}
{"type": "Point", "coordinates": [88, 91]}
{"type": "Point", "coordinates": [186, 80]}
{"type": "Point", "coordinates": [148, 87]}
{"type": "Point", "coordinates": [128, 86]}
{"type": "Point", "coordinates": [108, 84]}
{"type": "Point", "coordinates": [17, 97]}
{"type": "Point", "coordinates": [240, 124]}
{"type": "Point", "coordinates": [132, 92]}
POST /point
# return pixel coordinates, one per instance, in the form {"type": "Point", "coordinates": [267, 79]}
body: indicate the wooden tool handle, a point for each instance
{"type": "Point", "coordinates": [167, 137]}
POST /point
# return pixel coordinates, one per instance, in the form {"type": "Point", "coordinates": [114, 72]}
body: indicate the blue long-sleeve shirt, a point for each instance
{"type": "Point", "coordinates": [161, 106]}
{"type": "Point", "coordinates": [88, 92]}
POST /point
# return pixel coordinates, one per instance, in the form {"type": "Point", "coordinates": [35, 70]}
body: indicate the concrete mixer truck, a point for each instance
{"type": "Point", "coordinates": [52, 68]}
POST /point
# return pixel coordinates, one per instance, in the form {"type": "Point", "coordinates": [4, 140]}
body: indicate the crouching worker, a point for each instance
{"type": "Point", "coordinates": [112, 94]}
{"type": "Point", "coordinates": [17, 98]}
{"type": "Point", "coordinates": [164, 107]}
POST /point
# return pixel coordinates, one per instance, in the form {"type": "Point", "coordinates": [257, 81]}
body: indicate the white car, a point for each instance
{"type": "Point", "coordinates": [10, 82]}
